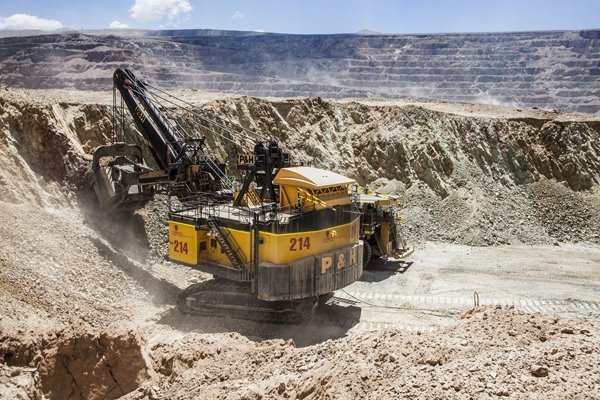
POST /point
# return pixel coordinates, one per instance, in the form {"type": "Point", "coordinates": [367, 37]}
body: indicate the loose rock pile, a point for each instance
{"type": "Point", "coordinates": [492, 352]}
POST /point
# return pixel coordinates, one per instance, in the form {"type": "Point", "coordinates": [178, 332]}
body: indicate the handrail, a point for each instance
{"type": "Point", "coordinates": [231, 247]}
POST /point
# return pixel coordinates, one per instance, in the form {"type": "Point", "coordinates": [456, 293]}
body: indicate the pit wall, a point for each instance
{"type": "Point", "coordinates": [510, 179]}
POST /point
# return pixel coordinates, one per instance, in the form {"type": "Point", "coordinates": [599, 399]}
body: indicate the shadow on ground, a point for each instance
{"type": "Point", "coordinates": [380, 270]}
{"type": "Point", "coordinates": [329, 321]}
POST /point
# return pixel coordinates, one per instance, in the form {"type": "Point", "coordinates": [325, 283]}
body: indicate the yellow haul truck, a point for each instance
{"type": "Point", "coordinates": [380, 229]}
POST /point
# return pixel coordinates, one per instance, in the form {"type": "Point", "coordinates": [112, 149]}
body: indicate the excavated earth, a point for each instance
{"type": "Point", "coordinates": [502, 201]}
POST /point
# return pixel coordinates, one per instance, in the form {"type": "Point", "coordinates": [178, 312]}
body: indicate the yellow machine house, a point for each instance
{"type": "Point", "coordinates": [312, 233]}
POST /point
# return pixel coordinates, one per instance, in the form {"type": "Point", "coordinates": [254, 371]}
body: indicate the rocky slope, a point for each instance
{"type": "Point", "coordinates": [79, 292]}
{"type": "Point", "coordinates": [468, 174]}
{"type": "Point", "coordinates": [526, 69]}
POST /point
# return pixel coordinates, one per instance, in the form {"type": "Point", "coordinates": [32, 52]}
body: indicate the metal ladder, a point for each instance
{"type": "Point", "coordinates": [228, 244]}
{"type": "Point", "coordinates": [379, 244]}
{"type": "Point", "coordinates": [253, 197]}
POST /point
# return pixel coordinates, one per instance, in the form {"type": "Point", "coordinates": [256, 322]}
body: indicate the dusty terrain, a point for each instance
{"type": "Point", "coordinates": [87, 302]}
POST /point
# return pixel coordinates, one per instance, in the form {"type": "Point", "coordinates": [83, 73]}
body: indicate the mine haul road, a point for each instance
{"type": "Point", "coordinates": [439, 282]}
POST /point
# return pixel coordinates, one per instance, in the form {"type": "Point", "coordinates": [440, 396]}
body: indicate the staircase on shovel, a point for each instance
{"type": "Point", "coordinates": [228, 244]}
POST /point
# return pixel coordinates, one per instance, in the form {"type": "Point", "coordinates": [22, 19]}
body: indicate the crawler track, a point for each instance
{"type": "Point", "coordinates": [223, 298]}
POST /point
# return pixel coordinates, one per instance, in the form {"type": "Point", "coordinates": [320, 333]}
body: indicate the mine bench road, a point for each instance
{"type": "Point", "coordinates": [439, 282]}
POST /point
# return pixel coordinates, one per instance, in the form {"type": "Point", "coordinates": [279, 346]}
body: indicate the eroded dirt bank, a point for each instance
{"type": "Point", "coordinates": [69, 277]}
{"type": "Point", "coordinates": [492, 352]}
{"type": "Point", "coordinates": [75, 363]}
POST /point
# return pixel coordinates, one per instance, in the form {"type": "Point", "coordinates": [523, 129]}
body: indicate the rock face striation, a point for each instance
{"type": "Point", "coordinates": [469, 174]}
{"type": "Point", "coordinates": [525, 69]}
{"type": "Point", "coordinates": [76, 363]}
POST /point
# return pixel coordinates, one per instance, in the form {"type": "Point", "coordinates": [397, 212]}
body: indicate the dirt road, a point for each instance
{"type": "Point", "coordinates": [438, 282]}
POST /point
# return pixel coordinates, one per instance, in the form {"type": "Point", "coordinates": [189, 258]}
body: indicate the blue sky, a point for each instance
{"type": "Point", "coordinates": [305, 16]}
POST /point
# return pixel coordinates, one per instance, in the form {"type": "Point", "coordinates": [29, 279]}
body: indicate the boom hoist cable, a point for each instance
{"type": "Point", "coordinates": [172, 134]}
{"type": "Point", "coordinates": [186, 166]}
{"type": "Point", "coordinates": [244, 141]}
{"type": "Point", "coordinates": [153, 126]}
{"type": "Point", "coordinates": [121, 178]}
{"type": "Point", "coordinates": [191, 106]}
{"type": "Point", "coordinates": [167, 140]}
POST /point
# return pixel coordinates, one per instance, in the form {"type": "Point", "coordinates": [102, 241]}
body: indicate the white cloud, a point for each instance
{"type": "Point", "coordinates": [118, 25]}
{"type": "Point", "coordinates": [259, 30]}
{"type": "Point", "coordinates": [237, 15]}
{"type": "Point", "coordinates": [24, 21]}
{"type": "Point", "coordinates": [153, 10]}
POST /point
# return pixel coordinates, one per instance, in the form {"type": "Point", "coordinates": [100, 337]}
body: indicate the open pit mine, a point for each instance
{"type": "Point", "coordinates": [380, 234]}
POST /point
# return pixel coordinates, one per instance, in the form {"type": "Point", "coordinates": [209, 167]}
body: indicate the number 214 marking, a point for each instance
{"type": "Point", "coordinates": [180, 247]}
{"type": "Point", "coordinates": [299, 243]}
